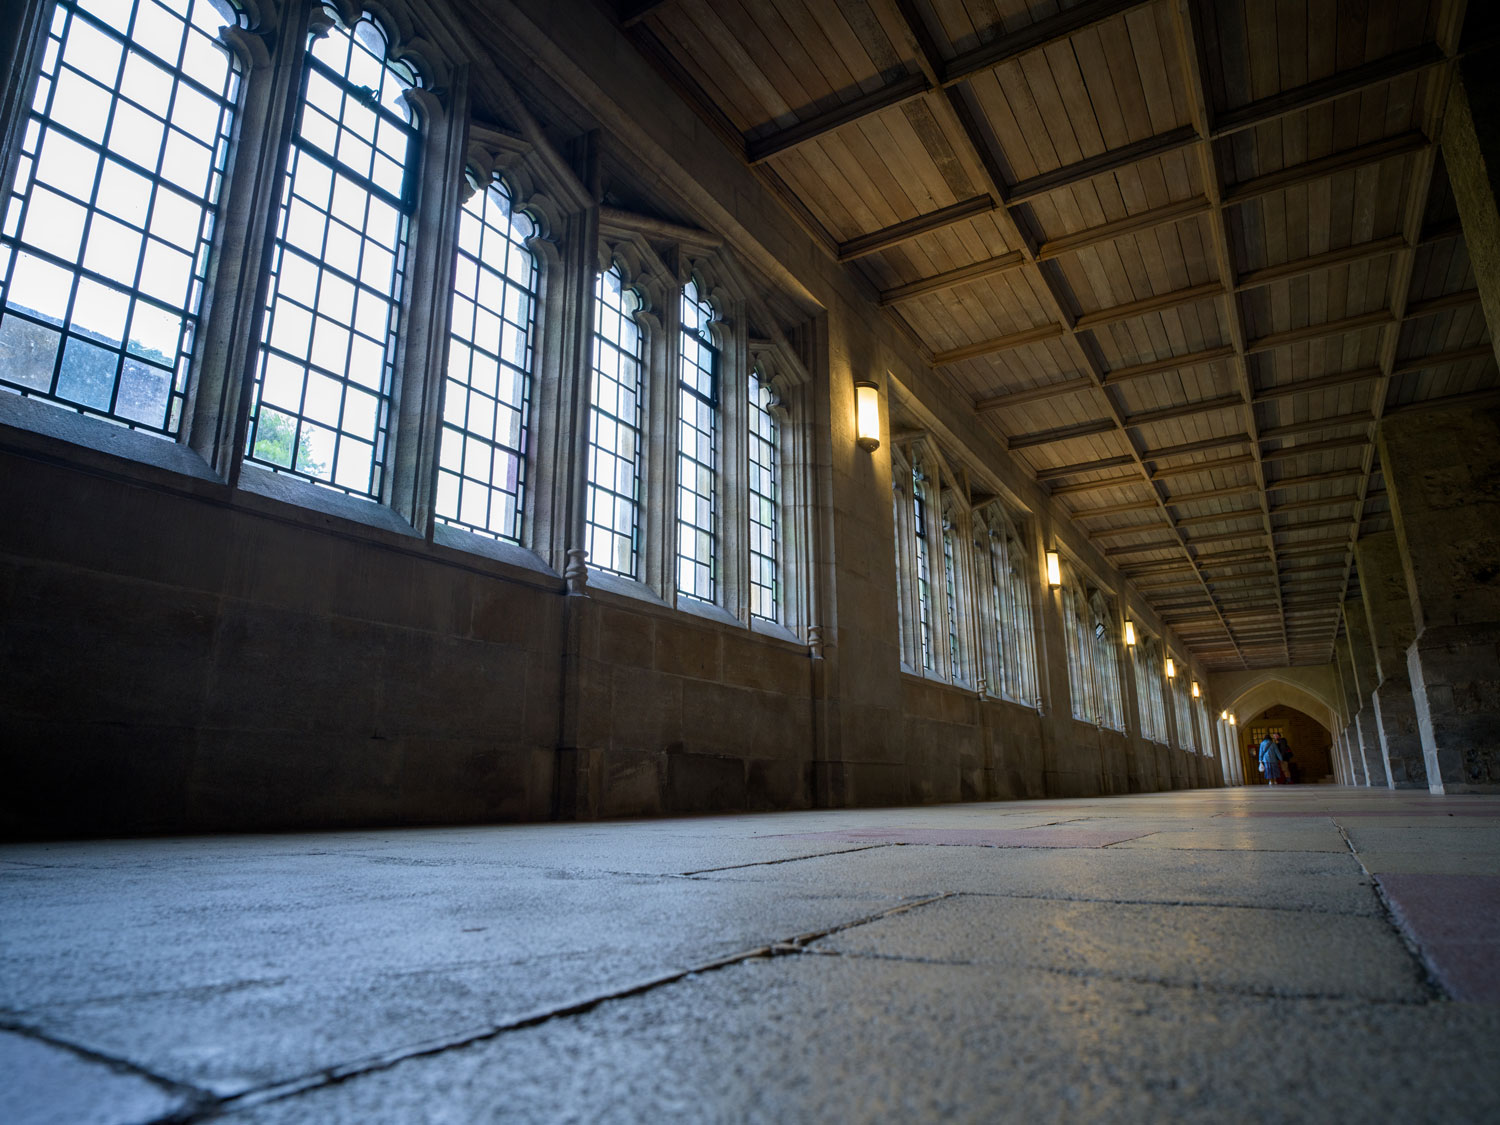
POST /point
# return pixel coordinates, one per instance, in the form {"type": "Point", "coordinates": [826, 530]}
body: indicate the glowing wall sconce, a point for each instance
{"type": "Point", "coordinates": [1129, 631]}
{"type": "Point", "coordinates": [1054, 569]}
{"type": "Point", "coordinates": [1196, 692]}
{"type": "Point", "coordinates": [1171, 668]}
{"type": "Point", "coordinates": [1223, 716]}
{"type": "Point", "coordinates": [1233, 721]}
{"type": "Point", "coordinates": [867, 415]}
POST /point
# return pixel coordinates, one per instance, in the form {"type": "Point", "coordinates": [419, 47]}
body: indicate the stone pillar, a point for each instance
{"type": "Point", "coordinates": [1362, 662]}
{"type": "Point", "coordinates": [1345, 667]}
{"type": "Point", "coordinates": [1382, 583]}
{"type": "Point", "coordinates": [1442, 471]}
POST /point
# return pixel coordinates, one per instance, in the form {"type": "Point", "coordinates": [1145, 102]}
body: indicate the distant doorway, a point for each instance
{"type": "Point", "coordinates": [1312, 745]}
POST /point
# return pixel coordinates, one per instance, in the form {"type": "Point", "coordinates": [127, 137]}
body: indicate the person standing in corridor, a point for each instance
{"type": "Point", "coordinates": [1270, 760]}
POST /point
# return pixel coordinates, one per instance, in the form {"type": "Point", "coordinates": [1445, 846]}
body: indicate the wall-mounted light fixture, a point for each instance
{"type": "Point", "coordinates": [1054, 569]}
{"type": "Point", "coordinates": [1171, 668]}
{"type": "Point", "coordinates": [1233, 721]}
{"type": "Point", "coordinates": [1129, 631]}
{"type": "Point", "coordinates": [867, 414]}
{"type": "Point", "coordinates": [1196, 692]}
{"type": "Point", "coordinates": [1223, 716]}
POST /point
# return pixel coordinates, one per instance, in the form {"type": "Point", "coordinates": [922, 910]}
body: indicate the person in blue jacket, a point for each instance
{"type": "Point", "coordinates": [1270, 760]}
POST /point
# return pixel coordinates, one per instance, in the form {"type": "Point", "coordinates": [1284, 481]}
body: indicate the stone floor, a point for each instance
{"type": "Point", "coordinates": [1232, 955]}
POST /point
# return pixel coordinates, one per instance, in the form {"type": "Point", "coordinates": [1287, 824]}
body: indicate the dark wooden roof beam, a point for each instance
{"type": "Point", "coordinates": [1187, 410]}
{"type": "Point", "coordinates": [1204, 446]}
{"type": "Point", "coordinates": [1318, 383]}
{"type": "Point", "coordinates": [1313, 170]}
{"type": "Point", "coordinates": [1035, 394]}
{"type": "Point", "coordinates": [1220, 517]}
{"type": "Point", "coordinates": [905, 231]}
{"type": "Point", "coordinates": [632, 12]}
{"type": "Point", "coordinates": [1176, 299]}
{"type": "Point", "coordinates": [1064, 433]}
{"type": "Point", "coordinates": [1117, 509]}
{"type": "Point", "coordinates": [1202, 467]}
{"type": "Point", "coordinates": [1315, 478]}
{"type": "Point", "coordinates": [1004, 48]}
{"type": "Point", "coordinates": [1414, 364]}
{"type": "Point", "coordinates": [1057, 471]}
{"type": "Point", "coordinates": [1315, 263]}
{"type": "Point", "coordinates": [1311, 448]}
{"type": "Point", "coordinates": [1337, 85]}
{"type": "Point", "coordinates": [1170, 363]}
{"type": "Point", "coordinates": [1138, 223]}
{"type": "Point", "coordinates": [949, 279]}
{"type": "Point", "coordinates": [1097, 485]}
{"type": "Point", "coordinates": [1434, 305]}
{"type": "Point", "coordinates": [1037, 335]}
{"type": "Point", "coordinates": [1275, 433]}
{"type": "Point", "coordinates": [1212, 494]}
{"type": "Point", "coordinates": [1133, 529]}
{"type": "Point", "coordinates": [1023, 191]}
{"type": "Point", "coordinates": [892, 94]}
{"type": "Point", "coordinates": [1378, 319]}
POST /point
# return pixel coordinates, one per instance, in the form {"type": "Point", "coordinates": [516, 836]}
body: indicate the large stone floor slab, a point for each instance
{"type": "Point", "coordinates": [1133, 958]}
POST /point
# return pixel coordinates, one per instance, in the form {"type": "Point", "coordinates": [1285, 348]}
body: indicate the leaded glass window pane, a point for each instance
{"type": "Point", "coordinates": [765, 503]}
{"type": "Point", "coordinates": [105, 245]}
{"type": "Point", "coordinates": [956, 668]}
{"type": "Point", "coordinates": [323, 384]}
{"type": "Point", "coordinates": [614, 468]}
{"type": "Point", "coordinates": [482, 459]}
{"type": "Point", "coordinates": [697, 453]}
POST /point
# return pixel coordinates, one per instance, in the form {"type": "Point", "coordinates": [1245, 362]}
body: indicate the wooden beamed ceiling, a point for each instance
{"type": "Point", "coordinates": [1181, 255]}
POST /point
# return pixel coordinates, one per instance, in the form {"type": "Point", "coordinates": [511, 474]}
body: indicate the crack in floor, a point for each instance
{"type": "Point", "coordinates": [343, 1072]}
{"type": "Point", "coordinates": [195, 1098]}
{"type": "Point", "coordinates": [1424, 967]}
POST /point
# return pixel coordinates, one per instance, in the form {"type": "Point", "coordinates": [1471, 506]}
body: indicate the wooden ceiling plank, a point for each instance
{"type": "Point", "coordinates": [1434, 305]}
{"type": "Point", "coordinates": [1414, 364]}
{"type": "Point", "coordinates": [1332, 445]}
{"type": "Point", "coordinates": [1292, 429]}
{"type": "Point", "coordinates": [1377, 319]}
{"type": "Point", "coordinates": [1229, 441]}
{"type": "Point", "coordinates": [1203, 467]}
{"type": "Point", "coordinates": [1116, 509]}
{"type": "Point", "coordinates": [910, 86]}
{"type": "Point", "coordinates": [1064, 25]}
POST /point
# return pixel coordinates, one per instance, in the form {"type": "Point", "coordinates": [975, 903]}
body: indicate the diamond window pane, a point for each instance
{"type": "Point", "coordinates": [487, 400]}
{"type": "Point", "coordinates": [107, 168]}
{"type": "Point", "coordinates": [333, 272]}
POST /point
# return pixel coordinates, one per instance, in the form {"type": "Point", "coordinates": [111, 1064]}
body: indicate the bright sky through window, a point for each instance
{"type": "Point", "coordinates": [108, 224]}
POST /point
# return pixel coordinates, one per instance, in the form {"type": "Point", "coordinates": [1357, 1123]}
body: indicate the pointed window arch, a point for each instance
{"type": "Point", "coordinates": [482, 456]}
{"type": "Point", "coordinates": [323, 385]}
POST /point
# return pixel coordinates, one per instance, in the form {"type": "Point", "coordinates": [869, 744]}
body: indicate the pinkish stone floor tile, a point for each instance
{"type": "Point", "coordinates": [1455, 919]}
{"type": "Point", "coordinates": [1343, 813]}
{"type": "Point", "coordinates": [1046, 837]}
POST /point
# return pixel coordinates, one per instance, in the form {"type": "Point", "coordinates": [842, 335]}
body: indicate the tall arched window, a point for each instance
{"type": "Point", "coordinates": [922, 529]}
{"type": "Point", "coordinates": [1187, 739]}
{"type": "Point", "coordinates": [1080, 651]}
{"type": "Point", "coordinates": [105, 245]}
{"type": "Point", "coordinates": [1001, 559]}
{"type": "Point", "coordinates": [481, 482]}
{"type": "Point", "coordinates": [957, 666]}
{"type": "Point", "coordinates": [1147, 659]}
{"type": "Point", "coordinates": [765, 502]}
{"type": "Point", "coordinates": [328, 345]}
{"type": "Point", "coordinates": [1104, 638]}
{"type": "Point", "coordinates": [614, 468]}
{"type": "Point", "coordinates": [698, 452]}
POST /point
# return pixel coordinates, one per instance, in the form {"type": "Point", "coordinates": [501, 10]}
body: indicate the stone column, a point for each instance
{"type": "Point", "coordinates": [1382, 583]}
{"type": "Point", "coordinates": [1442, 471]}
{"type": "Point", "coordinates": [1362, 661]}
{"type": "Point", "coordinates": [1360, 775]}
